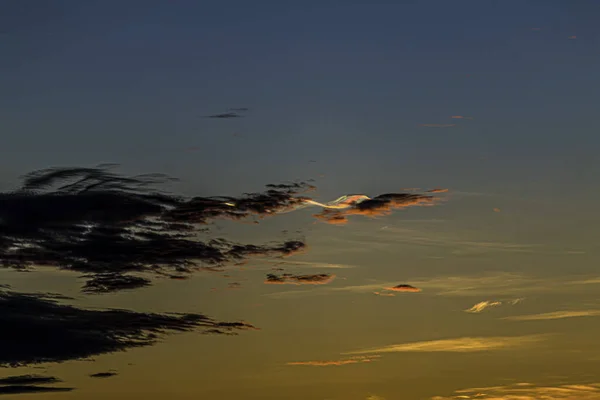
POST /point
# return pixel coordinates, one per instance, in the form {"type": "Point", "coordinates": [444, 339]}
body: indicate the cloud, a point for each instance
{"type": "Point", "coordinates": [28, 380]}
{"type": "Point", "coordinates": [31, 321]}
{"type": "Point", "coordinates": [107, 226]}
{"type": "Point", "coordinates": [459, 345]}
{"type": "Point", "coordinates": [404, 288]}
{"type": "Point", "coordinates": [479, 307]}
{"type": "Point", "coordinates": [353, 360]}
{"type": "Point", "coordinates": [439, 190]}
{"type": "Point", "coordinates": [528, 391]}
{"type": "Point", "coordinates": [384, 294]}
{"type": "Point", "coordinates": [374, 397]}
{"type": "Point", "coordinates": [17, 389]}
{"type": "Point", "coordinates": [315, 279]}
{"type": "Point", "coordinates": [438, 125]}
{"type": "Point", "coordinates": [378, 206]}
{"type": "Point", "coordinates": [555, 315]}
{"type": "Point", "coordinates": [573, 37]}
{"type": "Point", "coordinates": [225, 115]}
{"type": "Point", "coordinates": [103, 375]}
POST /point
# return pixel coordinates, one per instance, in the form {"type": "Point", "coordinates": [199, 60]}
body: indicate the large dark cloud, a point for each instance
{"type": "Point", "coordinates": [36, 328]}
{"type": "Point", "coordinates": [111, 227]}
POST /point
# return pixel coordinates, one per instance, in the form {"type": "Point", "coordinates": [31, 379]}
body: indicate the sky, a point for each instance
{"type": "Point", "coordinates": [468, 271]}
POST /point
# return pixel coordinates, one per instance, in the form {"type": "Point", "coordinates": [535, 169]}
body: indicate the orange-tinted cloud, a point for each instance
{"type": "Point", "coordinates": [497, 209]}
{"type": "Point", "coordinates": [353, 360]}
{"type": "Point", "coordinates": [437, 190]}
{"type": "Point", "coordinates": [528, 391]}
{"type": "Point", "coordinates": [404, 288]}
{"type": "Point", "coordinates": [290, 279]}
{"type": "Point", "coordinates": [377, 206]}
{"type": "Point", "coordinates": [573, 37]}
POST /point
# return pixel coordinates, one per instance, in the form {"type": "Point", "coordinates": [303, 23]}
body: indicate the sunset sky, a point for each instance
{"type": "Point", "coordinates": [486, 290]}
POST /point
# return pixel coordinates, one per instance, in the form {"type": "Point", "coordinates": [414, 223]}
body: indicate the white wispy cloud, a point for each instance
{"type": "Point", "coordinates": [482, 305]}
{"type": "Point", "coordinates": [457, 345]}
{"type": "Point", "coordinates": [555, 315]}
{"type": "Point", "coordinates": [528, 391]}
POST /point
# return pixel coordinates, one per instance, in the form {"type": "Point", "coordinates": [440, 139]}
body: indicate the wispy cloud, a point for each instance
{"type": "Point", "coordinates": [330, 363]}
{"type": "Point", "coordinates": [528, 391]}
{"type": "Point", "coordinates": [479, 307]}
{"type": "Point", "coordinates": [555, 315]}
{"type": "Point", "coordinates": [458, 345]}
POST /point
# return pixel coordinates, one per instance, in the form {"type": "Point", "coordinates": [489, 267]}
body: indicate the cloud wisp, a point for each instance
{"type": "Point", "coordinates": [336, 363]}
{"type": "Point", "coordinates": [555, 315]}
{"type": "Point", "coordinates": [482, 305]}
{"type": "Point", "coordinates": [528, 391]}
{"type": "Point", "coordinates": [457, 345]}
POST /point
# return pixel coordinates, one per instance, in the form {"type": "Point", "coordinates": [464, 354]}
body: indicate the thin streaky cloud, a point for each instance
{"type": "Point", "coordinates": [528, 391]}
{"type": "Point", "coordinates": [458, 345]}
{"type": "Point", "coordinates": [555, 315]}
{"type": "Point", "coordinates": [479, 307]}
{"type": "Point", "coordinates": [330, 363]}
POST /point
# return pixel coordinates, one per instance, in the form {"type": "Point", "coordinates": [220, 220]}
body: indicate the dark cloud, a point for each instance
{"type": "Point", "coordinates": [225, 115]}
{"type": "Point", "coordinates": [103, 374]}
{"type": "Point", "coordinates": [381, 205]}
{"type": "Point", "coordinates": [316, 279]}
{"type": "Point", "coordinates": [18, 389]}
{"type": "Point", "coordinates": [28, 380]}
{"type": "Point", "coordinates": [404, 288]}
{"type": "Point", "coordinates": [113, 228]}
{"type": "Point", "coordinates": [36, 329]}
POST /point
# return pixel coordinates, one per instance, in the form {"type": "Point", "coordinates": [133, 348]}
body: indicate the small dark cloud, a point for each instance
{"type": "Point", "coordinates": [234, 285]}
{"type": "Point", "coordinates": [36, 328]}
{"type": "Point", "coordinates": [28, 380]}
{"type": "Point", "coordinates": [404, 288]}
{"type": "Point", "coordinates": [290, 279]}
{"type": "Point", "coordinates": [225, 115]}
{"type": "Point", "coordinates": [18, 389]}
{"type": "Point", "coordinates": [112, 282]}
{"type": "Point", "coordinates": [103, 374]}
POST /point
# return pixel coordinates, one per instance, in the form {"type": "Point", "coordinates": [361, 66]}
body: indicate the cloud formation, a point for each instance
{"type": "Point", "coordinates": [313, 279]}
{"type": "Point", "coordinates": [458, 345]}
{"type": "Point", "coordinates": [378, 206]}
{"type": "Point", "coordinates": [112, 228]}
{"type": "Point", "coordinates": [348, 361]}
{"type": "Point", "coordinates": [21, 384]}
{"type": "Point", "coordinates": [555, 315]}
{"type": "Point", "coordinates": [103, 375]}
{"type": "Point", "coordinates": [77, 333]}
{"type": "Point", "coordinates": [403, 288]}
{"type": "Point", "coordinates": [528, 391]}
{"type": "Point", "coordinates": [225, 115]}
{"type": "Point", "coordinates": [482, 305]}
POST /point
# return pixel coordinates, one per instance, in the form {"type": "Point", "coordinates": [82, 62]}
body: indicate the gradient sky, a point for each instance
{"type": "Point", "coordinates": [360, 97]}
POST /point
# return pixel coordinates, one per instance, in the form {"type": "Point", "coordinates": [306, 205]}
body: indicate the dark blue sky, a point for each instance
{"type": "Point", "coordinates": [341, 83]}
